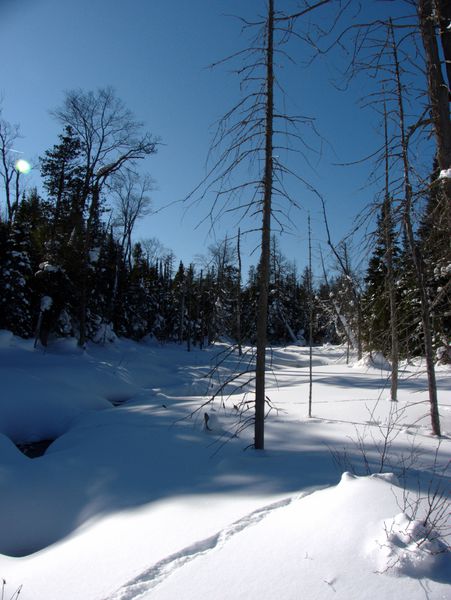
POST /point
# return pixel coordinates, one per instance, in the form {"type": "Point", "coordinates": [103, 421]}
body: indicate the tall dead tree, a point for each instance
{"type": "Point", "coordinates": [435, 21]}
{"type": "Point", "coordinates": [407, 207]}
{"type": "Point", "coordinates": [443, 13]}
{"type": "Point", "coordinates": [239, 334]}
{"type": "Point", "coordinates": [310, 319]}
{"type": "Point", "coordinates": [390, 278]}
{"type": "Point", "coordinates": [265, 253]}
{"type": "Point", "coordinates": [8, 172]}
{"type": "Point", "coordinates": [432, 14]}
{"type": "Point", "coordinates": [131, 202]}
{"type": "Point", "coordinates": [249, 135]}
{"type": "Point", "coordinates": [384, 60]}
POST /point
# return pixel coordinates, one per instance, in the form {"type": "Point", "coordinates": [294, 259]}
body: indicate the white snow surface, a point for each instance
{"type": "Point", "coordinates": [46, 303]}
{"type": "Point", "coordinates": [139, 500]}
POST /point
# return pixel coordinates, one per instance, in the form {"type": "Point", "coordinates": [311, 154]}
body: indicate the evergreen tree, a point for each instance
{"type": "Point", "coordinates": [137, 296]}
{"type": "Point", "coordinates": [16, 281]}
{"type": "Point", "coordinates": [435, 245]}
{"type": "Point", "coordinates": [410, 328]}
{"type": "Point", "coordinates": [376, 298]}
{"type": "Point", "coordinates": [105, 284]}
{"type": "Point", "coordinates": [62, 175]}
{"type": "Point", "coordinates": [327, 326]}
{"type": "Point", "coordinates": [249, 303]}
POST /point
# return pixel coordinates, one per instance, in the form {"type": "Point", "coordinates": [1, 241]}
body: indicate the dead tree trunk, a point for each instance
{"type": "Point", "coordinates": [437, 88]}
{"type": "Point", "coordinates": [264, 266]}
{"type": "Point", "coordinates": [414, 249]}
{"type": "Point", "coordinates": [390, 280]}
{"type": "Point", "coordinates": [356, 341]}
{"type": "Point", "coordinates": [310, 302]}
{"type": "Point", "coordinates": [238, 296]}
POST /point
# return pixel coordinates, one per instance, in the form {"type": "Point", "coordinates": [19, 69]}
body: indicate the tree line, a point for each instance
{"type": "Point", "coordinates": [64, 266]}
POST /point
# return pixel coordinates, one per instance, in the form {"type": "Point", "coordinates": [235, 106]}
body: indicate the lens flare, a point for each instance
{"type": "Point", "coordinates": [23, 166]}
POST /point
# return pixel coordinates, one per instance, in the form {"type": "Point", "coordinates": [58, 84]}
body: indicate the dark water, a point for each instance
{"type": "Point", "coordinates": [35, 449]}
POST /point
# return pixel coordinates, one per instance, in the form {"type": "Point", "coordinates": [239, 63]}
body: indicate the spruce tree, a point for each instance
{"type": "Point", "coordinates": [376, 298]}
{"type": "Point", "coordinates": [410, 329]}
{"type": "Point", "coordinates": [435, 245]}
{"type": "Point", "coordinates": [16, 297]}
{"type": "Point", "coordinates": [137, 297]}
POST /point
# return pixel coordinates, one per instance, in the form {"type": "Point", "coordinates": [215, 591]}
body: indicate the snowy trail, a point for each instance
{"type": "Point", "coordinates": [158, 572]}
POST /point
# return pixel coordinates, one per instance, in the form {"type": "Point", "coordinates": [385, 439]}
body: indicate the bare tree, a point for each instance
{"type": "Point", "coordinates": [131, 203]}
{"type": "Point", "coordinates": [250, 139]}
{"type": "Point", "coordinates": [110, 138]}
{"type": "Point", "coordinates": [9, 174]}
{"type": "Point", "coordinates": [390, 279]}
{"type": "Point", "coordinates": [110, 141]}
{"type": "Point", "coordinates": [239, 335]}
{"type": "Point", "coordinates": [387, 61]}
{"type": "Point", "coordinates": [407, 204]}
{"type": "Point", "coordinates": [154, 250]}
{"type": "Point", "coordinates": [310, 310]}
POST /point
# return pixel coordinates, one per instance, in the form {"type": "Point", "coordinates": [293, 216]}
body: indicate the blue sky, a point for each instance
{"type": "Point", "coordinates": [156, 55]}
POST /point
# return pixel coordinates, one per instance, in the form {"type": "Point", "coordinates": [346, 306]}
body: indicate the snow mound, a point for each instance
{"type": "Point", "coordinates": [409, 547]}
{"type": "Point", "coordinates": [375, 360]}
{"type": "Point", "coordinates": [10, 455]}
{"type": "Point", "coordinates": [6, 338]}
{"type": "Point", "coordinates": [44, 392]}
{"type": "Point", "coordinates": [274, 551]}
{"type": "Point", "coordinates": [105, 333]}
{"type": "Point", "coordinates": [34, 410]}
{"type": "Point", "coordinates": [65, 345]}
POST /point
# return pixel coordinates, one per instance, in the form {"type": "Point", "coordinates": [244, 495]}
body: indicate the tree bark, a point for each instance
{"type": "Point", "coordinates": [264, 267]}
{"type": "Point", "coordinates": [310, 302]}
{"type": "Point", "coordinates": [437, 88]}
{"type": "Point", "coordinates": [415, 251]}
{"type": "Point", "coordinates": [443, 8]}
{"type": "Point", "coordinates": [388, 227]}
{"type": "Point", "coordinates": [238, 296]}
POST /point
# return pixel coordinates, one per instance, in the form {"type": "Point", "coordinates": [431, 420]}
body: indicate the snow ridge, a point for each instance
{"type": "Point", "coordinates": [158, 572]}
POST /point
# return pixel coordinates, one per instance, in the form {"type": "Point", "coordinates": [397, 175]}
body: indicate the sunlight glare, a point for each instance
{"type": "Point", "coordinates": [23, 166]}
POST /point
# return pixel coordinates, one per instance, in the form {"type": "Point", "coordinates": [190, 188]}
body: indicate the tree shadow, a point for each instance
{"type": "Point", "coordinates": [131, 456]}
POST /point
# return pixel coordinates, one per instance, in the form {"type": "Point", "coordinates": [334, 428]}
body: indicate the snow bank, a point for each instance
{"type": "Point", "coordinates": [37, 410]}
{"type": "Point", "coordinates": [374, 360]}
{"type": "Point", "coordinates": [407, 546]}
{"type": "Point", "coordinates": [6, 338]}
{"type": "Point", "coordinates": [43, 393]}
{"type": "Point", "coordinates": [312, 546]}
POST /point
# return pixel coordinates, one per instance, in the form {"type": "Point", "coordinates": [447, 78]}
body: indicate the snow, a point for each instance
{"type": "Point", "coordinates": [48, 267]}
{"type": "Point", "coordinates": [94, 255]}
{"type": "Point", "coordinates": [46, 303]}
{"type": "Point", "coordinates": [141, 500]}
{"type": "Point", "coordinates": [373, 359]}
{"type": "Point", "coordinates": [445, 174]}
{"type": "Point", "coordinates": [406, 547]}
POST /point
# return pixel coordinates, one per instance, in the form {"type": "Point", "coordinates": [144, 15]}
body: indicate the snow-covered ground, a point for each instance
{"type": "Point", "coordinates": [140, 500]}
